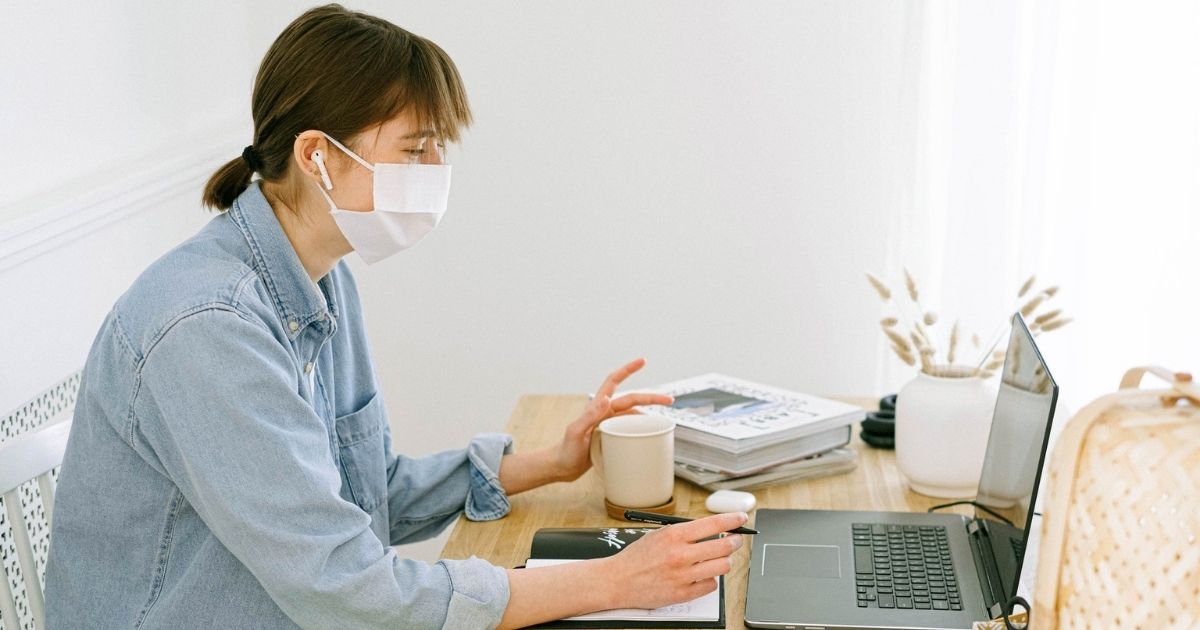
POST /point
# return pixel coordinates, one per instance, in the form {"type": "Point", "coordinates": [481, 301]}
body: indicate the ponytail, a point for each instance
{"type": "Point", "coordinates": [226, 184]}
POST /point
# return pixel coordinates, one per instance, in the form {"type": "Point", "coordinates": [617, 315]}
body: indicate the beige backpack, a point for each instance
{"type": "Point", "coordinates": [1120, 543]}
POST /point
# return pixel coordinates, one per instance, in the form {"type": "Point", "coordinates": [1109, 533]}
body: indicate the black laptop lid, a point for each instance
{"type": "Point", "coordinates": [1015, 451]}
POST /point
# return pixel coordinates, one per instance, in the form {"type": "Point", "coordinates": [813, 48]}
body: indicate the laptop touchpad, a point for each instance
{"type": "Point", "coordinates": [811, 561]}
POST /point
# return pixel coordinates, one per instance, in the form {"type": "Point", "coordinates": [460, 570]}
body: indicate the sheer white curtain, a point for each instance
{"type": "Point", "coordinates": [1062, 138]}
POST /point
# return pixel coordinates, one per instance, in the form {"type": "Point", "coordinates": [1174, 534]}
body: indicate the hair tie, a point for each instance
{"type": "Point", "coordinates": [250, 157]}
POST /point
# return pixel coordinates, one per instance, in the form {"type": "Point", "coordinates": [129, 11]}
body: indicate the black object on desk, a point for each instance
{"type": "Point", "coordinates": [879, 427]}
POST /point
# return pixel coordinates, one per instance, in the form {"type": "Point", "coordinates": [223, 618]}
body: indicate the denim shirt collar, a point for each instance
{"type": "Point", "coordinates": [286, 280]}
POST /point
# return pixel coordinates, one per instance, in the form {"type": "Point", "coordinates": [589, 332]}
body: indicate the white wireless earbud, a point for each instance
{"type": "Point", "coordinates": [316, 157]}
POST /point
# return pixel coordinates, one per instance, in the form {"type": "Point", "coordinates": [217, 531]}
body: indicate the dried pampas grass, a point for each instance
{"type": "Point", "coordinates": [912, 340]}
{"type": "Point", "coordinates": [953, 343]}
{"type": "Point", "coordinates": [898, 340]}
{"type": "Point", "coordinates": [911, 285]}
{"type": "Point", "coordinates": [1045, 317]}
{"type": "Point", "coordinates": [1026, 287]}
{"type": "Point", "coordinates": [1032, 305]}
{"type": "Point", "coordinates": [885, 294]}
{"type": "Point", "coordinates": [1056, 324]}
{"type": "Point", "coordinates": [1038, 322]}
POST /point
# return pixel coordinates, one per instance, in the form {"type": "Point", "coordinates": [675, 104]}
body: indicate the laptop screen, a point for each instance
{"type": "Point", "coordinates": [1015, 451]}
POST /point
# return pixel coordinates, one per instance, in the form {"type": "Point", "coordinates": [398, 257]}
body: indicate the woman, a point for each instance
{"type": "Point", "coordinates": [230, 462]}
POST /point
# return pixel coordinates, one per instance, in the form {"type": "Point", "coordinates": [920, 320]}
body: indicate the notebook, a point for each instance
{"type": "Point", "coordinates": [553, 546]}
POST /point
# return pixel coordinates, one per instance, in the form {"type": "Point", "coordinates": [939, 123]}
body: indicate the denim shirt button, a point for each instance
{"type": "Point", "coordinates": [294, 326]}
{"type": "Point", "coordinates": [308, 367]}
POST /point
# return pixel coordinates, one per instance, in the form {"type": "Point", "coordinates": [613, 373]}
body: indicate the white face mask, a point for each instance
{"type": "Point", "coordinates": [410, 199]}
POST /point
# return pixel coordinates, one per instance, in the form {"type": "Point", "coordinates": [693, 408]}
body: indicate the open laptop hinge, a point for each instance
{"type": "Point", "coordinates": [985, 564]}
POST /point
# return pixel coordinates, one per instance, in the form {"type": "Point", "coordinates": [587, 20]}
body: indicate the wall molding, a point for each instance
{"type": "Point", "coordinates": [66, 217]}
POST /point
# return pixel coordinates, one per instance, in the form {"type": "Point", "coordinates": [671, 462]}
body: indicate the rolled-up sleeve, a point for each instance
{"type": "Point", "coordinates": [219, 410]}
{"type": "Point", "coordinates": [427, 494]}
{"type": "Point", "coordinates": [479, 593]}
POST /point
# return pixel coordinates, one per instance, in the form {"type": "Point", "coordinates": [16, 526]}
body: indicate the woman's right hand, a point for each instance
{"type": "Point", "coordinates": [669, 566]}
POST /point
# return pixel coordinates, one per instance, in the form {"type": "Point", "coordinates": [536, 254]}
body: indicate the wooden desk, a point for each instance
{"type": "Point", "coordinates": [539, 421]}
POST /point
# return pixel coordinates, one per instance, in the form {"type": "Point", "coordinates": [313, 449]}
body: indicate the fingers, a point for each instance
{"type": "Point", "coordinates": [601, 408]}
{"type": "Point", "coordinates": [710, 568]}
{"type": "Point", "coordinates": [600, 405]}
{"type": "Point", "coordinates": [709, 525]}
{"type": "Point", "coordinates": [610, 384]}
{"type": "Point", "coordinates": [624, 403]}
{"type": "Point", "coordinates": [718, 548]}
{"type": "Point", "coordinates": [698, 589]}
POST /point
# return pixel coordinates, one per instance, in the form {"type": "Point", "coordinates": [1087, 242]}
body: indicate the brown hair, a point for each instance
{"type": "Point", "coordinates": [340, 71]}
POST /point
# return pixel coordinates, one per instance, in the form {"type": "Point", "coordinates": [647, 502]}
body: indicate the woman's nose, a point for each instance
{"type": "Point", "coordinates": [434, 154]}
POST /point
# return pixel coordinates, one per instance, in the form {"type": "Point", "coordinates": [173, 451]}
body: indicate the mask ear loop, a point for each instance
{"type": "Point", "coordinates": [329, 200]}
{"type": "Point", "coordinates": [368, 165]}
{"type": "Point", "coordinates": [320, 161]}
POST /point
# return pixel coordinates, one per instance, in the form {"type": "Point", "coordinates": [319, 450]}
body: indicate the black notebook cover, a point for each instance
{"type": "Point", "coordinates": [598, 542]}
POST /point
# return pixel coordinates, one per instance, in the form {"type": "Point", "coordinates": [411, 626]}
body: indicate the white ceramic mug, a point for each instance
{"type": "Point", "coordinates": [635, 456]}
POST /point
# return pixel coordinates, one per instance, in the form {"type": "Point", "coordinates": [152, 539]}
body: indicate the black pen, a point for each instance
{"type": "Point", "coordinates": [663, 519]}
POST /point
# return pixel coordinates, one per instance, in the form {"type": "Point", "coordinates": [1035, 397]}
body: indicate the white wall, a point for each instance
{"type": "Point", "coordinates": [701, 184]}
{"type": "Point", "coordinates": [113, 113]}
{"type": "Point", "coordinates": [93, 88]}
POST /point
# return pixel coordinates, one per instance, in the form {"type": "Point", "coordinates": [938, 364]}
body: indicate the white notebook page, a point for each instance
{"type": "Point", "coordinates": [703, 608]}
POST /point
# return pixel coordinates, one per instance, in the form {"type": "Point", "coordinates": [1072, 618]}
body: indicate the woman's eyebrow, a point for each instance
{"type": "Point", "coordinates": [425, 133]}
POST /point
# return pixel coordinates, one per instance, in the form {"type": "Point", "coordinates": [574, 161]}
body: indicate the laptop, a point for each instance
{"type": "Point", "coordinates": [813, 569]}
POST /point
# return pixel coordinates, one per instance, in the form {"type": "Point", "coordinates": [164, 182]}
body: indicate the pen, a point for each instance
{"type": "Point", "coordinates": [663, 519]}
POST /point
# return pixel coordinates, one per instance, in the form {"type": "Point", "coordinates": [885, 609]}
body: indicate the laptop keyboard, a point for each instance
{"type": "Point", "coordinates": [904, 566]}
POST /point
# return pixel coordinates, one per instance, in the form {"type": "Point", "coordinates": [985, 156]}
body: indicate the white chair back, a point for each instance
{"type": "Point", "coordinates": [32, 441]}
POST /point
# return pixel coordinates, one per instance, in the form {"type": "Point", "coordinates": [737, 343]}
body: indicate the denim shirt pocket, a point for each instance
{"type": "Point", "coordinates": [360, 438]}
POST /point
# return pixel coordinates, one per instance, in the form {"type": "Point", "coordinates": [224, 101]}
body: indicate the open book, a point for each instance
{"type": "Point", "coordinates": [560, 545]}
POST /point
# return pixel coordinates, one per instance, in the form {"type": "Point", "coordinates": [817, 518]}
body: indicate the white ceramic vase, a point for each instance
{"type": "Point", "coordinates": [942, 425]}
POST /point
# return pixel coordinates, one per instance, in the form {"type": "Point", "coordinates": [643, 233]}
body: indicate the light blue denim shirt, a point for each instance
{"type": "Point", "coordinates": [230, 463]}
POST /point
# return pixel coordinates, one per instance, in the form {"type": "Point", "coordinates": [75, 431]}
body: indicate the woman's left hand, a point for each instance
{"type": "Point", "coordinates": [573, 455]}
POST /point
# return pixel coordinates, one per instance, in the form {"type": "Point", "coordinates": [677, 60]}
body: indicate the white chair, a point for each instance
{"type": "Point", "coordinates": [26, 457]}
{"type": "Point", "coordinates": [32, 441]}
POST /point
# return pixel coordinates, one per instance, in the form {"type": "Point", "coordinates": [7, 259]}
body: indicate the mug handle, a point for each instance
{"type": "Point", "coordinates": [595, 453]}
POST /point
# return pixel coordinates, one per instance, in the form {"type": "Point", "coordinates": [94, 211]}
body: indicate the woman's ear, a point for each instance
{"type": "Point", "coordinates": [308, 144]}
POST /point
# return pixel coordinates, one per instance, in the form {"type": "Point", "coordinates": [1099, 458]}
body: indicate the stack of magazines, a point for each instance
{"type": "Point", "coordinates": [830, 462]}
{"type": "Point", "coordinates": [735, 434]}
